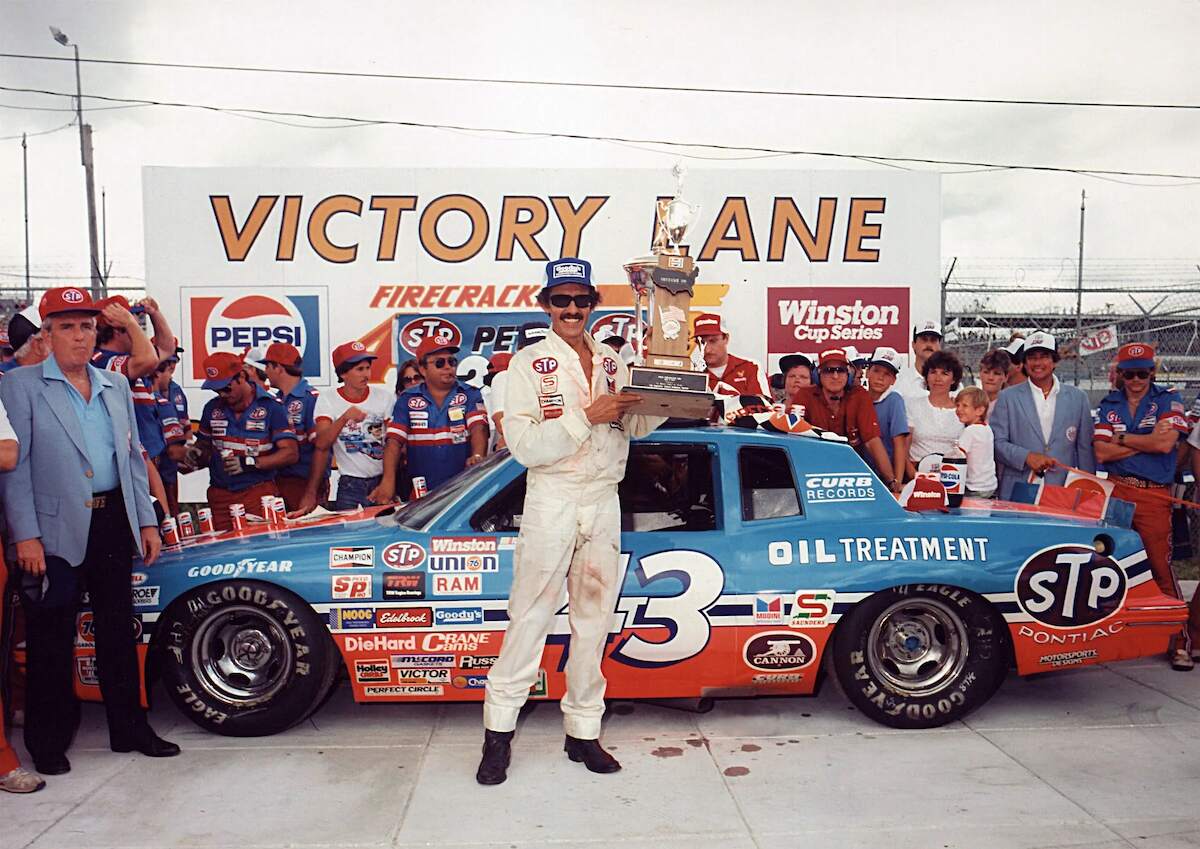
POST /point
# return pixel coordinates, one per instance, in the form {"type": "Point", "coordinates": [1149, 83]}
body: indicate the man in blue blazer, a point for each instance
{"type": "Point", "coordinates": [1041, 421]}
{"type": "Point", "coordinates": [78, 508]}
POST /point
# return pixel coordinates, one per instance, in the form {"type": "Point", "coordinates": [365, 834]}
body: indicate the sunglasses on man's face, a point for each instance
{"type": "Point", "coordinates": [440, 362]}
{"type": "Point", "coordinates": [584, 302]}
{"type": "Point", "coordinates": [1136, 374]}
{"type": "Point", "coordinates": [834, 370]}
{"type": "Point", "coordinates": [227, 388]}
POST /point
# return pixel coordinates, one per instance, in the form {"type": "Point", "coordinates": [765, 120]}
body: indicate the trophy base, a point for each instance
{"type": "Point", "coordinates": [672, 403]}
{"type": "Point", "coordinates": [676, 379]}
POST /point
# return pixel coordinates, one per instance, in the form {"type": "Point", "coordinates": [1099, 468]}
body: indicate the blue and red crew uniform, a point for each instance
{"type": "Point", "coordinates": [437, 439]}
{"type": "Point", "coordinates": [299, 405]}
{"type": "Point", "coordinates": [1145, 477]}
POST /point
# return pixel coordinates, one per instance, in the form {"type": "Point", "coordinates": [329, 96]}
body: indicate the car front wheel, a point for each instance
{"type": "Point", "coordinates": [244, 658]}
{"type": "Point", "coordinates": [920, 656]}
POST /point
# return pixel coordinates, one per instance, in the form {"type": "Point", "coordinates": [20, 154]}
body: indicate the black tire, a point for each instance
{"type": "Point", "coordinates": [245, 658]}
{"type": "Point", "coordinates": [920, 656]}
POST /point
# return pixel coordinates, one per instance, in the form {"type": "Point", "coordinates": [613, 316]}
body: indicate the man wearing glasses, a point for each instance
{"type": "Point", "coordinates": [837, 405]}
{"type": "Point", "coordinates": [1140, 426]}
{"type": "Point", "coordinates": [244, 439]}
{"type": "Point", "coordinates": [438, 427]}
{"type": "Point", "coordinates": [568, 421]}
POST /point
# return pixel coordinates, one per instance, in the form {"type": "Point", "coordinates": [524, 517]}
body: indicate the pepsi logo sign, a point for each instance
{"type": "Point", "coordinates": [432, 327]}
{"type": "Point", "coordinates": [545, 365]}
{"type": "Point", "coordinates": [216, 320]}
{"type": "Point", "coordinates": [72, 296]}
{"type": "Point", "coordinates": [403, 556]}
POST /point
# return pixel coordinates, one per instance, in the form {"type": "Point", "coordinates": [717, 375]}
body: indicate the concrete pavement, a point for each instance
{"type": "Point", "coordinates": [1104, 757]}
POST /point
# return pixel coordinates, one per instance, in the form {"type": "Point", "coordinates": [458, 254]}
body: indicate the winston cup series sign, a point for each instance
{"type": "Point", "coordinates": [792, 260]}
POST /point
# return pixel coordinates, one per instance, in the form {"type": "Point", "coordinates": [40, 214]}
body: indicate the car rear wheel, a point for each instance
{"type": "Point", "coordinates": [920, 656]}
{"type": "Point", "coordinates": [244, 658]}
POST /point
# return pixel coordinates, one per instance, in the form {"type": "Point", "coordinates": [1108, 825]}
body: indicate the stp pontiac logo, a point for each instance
{"type": "Point", "coordinates": [403, 556]}
{"type": "Point", "coordinates": [432, 327]}
{"type": "Point", "coordinates": [233, 320]}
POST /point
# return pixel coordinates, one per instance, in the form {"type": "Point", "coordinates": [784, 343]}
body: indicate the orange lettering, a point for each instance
{"type": "Point", "coordinates": [433, 244]}
{"type": "Point", "coordinates": [392, 207]}
{"type": "Point", "coordinates": [858, 229]}
{"type": "Point", "coordinates": [786, 218]}
{"type": "Point", "coordinates": [734, 214]}
{"type": "Point", "coordinates": [237, 242]}
{"type": "Point", "coordinates": [574, 219]}
{"type": "Point", "coordinates": [288, 228]}
{"type": "Point", "coordinates": [318, 223]}
{"type": "Point", "coordinates": [513, 229]}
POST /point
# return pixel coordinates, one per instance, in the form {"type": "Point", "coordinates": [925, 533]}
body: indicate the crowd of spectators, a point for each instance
{"type": "Point", "coordinates": [266, 433]}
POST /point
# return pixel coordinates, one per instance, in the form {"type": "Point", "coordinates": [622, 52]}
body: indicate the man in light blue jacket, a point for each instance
{"type": "Point", "coordinates": [1042, 425]}
{"type": "Point", "coordinates": [78, 508]}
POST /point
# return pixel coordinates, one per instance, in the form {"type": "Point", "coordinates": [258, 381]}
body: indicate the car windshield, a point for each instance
{"type": "Point", "coordinates": [416, 515]}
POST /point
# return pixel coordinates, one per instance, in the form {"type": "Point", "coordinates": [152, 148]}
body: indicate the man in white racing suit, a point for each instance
{"type": "Point", "coordinates": [567, 421]}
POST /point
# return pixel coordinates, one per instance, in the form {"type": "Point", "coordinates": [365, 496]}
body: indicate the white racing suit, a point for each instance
{"type": "Point", "coordinates": [570, 528]}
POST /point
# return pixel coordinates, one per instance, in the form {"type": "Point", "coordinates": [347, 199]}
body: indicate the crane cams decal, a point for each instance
{"type": "Point", "coordinates": [1070, 586]}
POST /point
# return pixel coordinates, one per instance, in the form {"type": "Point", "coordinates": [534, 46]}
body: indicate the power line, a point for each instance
{"type": "Point", "coordinates": [39, 133]}
{"type": "Point", "coordinates": [316, 72]}
{"type": "Point", "coordinates": [619, 139]}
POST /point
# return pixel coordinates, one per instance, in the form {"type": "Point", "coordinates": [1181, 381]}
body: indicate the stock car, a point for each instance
{"type": "Point", "coordinates": [753, 563]}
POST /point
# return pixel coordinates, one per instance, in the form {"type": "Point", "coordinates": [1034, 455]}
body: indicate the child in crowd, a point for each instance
{"type": "Point", "coordinates": [976, 442]}
{"type": "Point", "coordinates": [883, 366]}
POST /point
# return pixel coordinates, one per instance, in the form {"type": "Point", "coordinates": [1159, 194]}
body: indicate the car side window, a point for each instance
{"type": "Point", "coordinates": [767, 484]}
{"type": "Point", "coordinates": [668, 488]}
{"type": "Point", "coordinates": [502, 513]}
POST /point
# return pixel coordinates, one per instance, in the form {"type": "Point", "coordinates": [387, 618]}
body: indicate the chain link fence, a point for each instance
{"type": "Point", "coordinates": [1158, 302]}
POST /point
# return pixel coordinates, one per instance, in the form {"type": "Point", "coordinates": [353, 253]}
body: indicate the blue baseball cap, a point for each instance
{"type": "Point", "coordinates": [568, 270]}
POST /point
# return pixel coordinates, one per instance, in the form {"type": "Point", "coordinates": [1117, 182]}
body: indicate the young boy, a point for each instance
{"type": "Point", "coordinates": [976, 442]}
{"type": "Point", "coordinates": [882, 368]}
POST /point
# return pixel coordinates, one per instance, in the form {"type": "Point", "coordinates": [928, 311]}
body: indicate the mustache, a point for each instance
{"type": "Point", "coordinates": [572, 315]}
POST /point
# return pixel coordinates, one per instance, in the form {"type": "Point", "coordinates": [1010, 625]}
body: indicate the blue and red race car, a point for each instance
{"type": "Point", "coordinates": [752, 563]}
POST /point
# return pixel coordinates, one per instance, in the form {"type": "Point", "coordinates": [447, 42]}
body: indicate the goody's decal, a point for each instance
{"type": "Point", "coordinates": [485, 333]}
{"type": "Point", "coordinates": [223, 319]}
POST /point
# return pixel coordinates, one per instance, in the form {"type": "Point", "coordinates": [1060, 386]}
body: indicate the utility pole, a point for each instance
{"type": "Point", "coordinates": [99, 290]}
{"type": "Point", "coordinates": [104, 233]}
{"type": "Point", "coordinates": [1079, 288]}
{"type": "Point", "coordinates": [946, 283]}
{"type": "Point", "coordinates": [25, 174]}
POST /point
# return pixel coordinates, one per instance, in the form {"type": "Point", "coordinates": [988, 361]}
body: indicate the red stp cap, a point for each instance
{"type": "Point", "coordinates": [220, 368]}
{"type": "Point", "coordinates": [708, 324]}
{"type": "Point", "coordinates": [348, 353]}
{"type": "Point", "coordinates": [283, 354]}
{"type": "Point", "coordinates": [66, 299]}
{"type": "Point", "coordinates": [1135, 355]}
{"type": "Point", "coordinates": [433, 344]}
{"type": "Point", "coordinates": [499, 361]}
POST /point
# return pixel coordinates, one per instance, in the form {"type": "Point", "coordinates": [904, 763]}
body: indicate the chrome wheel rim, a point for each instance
{"type": "Point", "coordinates": [917, 646]}
{"type": "Point", "coordinates": [241, 655]}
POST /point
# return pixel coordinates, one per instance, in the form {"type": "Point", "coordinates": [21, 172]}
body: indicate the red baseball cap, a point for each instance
{"type": "Point", "coordinates": [433, 344]}
{"type": "Point", "coordinates": [220, 368]}
{"type": "Point", "coordinates": [283, 354]}
{"type": "Point", "coordinates": [348, 353]}
{"type": "Point", "coordinates": [708, 324]}
{"type": "Point", "coordinates": [1135, 355]}
{"type": "Point", "coordinates": [66, 299]}
{"type": "Point", "coordinates": [923, 493]}
{"type": "Point", "coordinates": [834, 355]}
{"type": "Point", "coordinates": [119, 300]}
{"type": "Point", "coordinates": [499, 361]}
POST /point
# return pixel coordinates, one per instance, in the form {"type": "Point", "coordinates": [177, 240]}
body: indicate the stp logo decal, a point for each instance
{"type": "Point", "coordinates": [258, 413]}
{"type": "Point", "coordinates": [432, 327]}
{"type": "Point", "coordinates": [610, 365]}
{"type": "Point", "coordinates": [545, 365]}
{"type": "Point", "coordinates": [1070, 586]}
{"type": "Point", "coordinates": [613, 324]}
{"type": "Point", "coordinates": [72, 296]}
{"type": "Point", "coordinates": [403, 556]}
{"type": "Point", "coordinates": [417, 403]}
{"type": "Point", "coordinates": [1136, 350]}
{"type": "Point", "coordinates": [223, 320]}
{"type": "Point", "coordinates": [778, 651]}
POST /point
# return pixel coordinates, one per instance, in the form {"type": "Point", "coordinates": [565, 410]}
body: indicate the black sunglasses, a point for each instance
{"type": "Point", "coordinates": [834, 370]}
{"type": "Point", "coordinates": [439, 362]}
{"type": "Point", "coordinates": [227, 388]}
{"type": "Point", "coordinates": [410, 379]}
{"type": "Point", "coordinates": [584, 302]}
{"type": "Point", "coordinates": [1135, 374]}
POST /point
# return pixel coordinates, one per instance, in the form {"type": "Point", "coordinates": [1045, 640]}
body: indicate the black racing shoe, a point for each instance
{"type": "Point", "coordinates": [590, 754]}
{"type": "Point", "coordinates": [497, 752]}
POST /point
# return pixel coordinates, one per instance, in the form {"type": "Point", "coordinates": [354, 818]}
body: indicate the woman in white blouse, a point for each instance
{"type": "Point", "coordinates": [933, 424]}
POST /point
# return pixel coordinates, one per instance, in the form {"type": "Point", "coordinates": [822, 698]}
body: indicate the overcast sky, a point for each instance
{"type": "Point", "coordinates": [1114, 51]}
